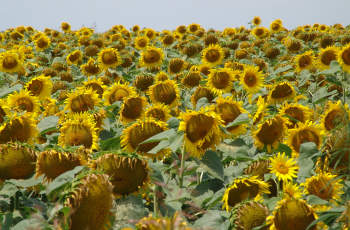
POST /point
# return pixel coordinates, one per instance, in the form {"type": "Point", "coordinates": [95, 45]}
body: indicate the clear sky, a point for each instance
{"type": "Point", "coordinates": [168, 14]}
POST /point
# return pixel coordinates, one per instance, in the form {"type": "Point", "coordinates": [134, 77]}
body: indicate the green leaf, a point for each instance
{"type": "Point", "coordinates": [321, 94]}
{"type": "Point", "coordinates": [304, 76]}
{"type": "Point", "coordinates": [8, 190]}
{"type": "Point", "coordinates": [315, 200]}
{"type": "Point", "coordinates": [5, 92]}
{"type": "Point", "coordinates": [283, 69]}
{"type": "Point", "coordinates": [243, 118]}
{"type": "Point", "coordinates": [6, 220]}
{"type": "Point", "coordinates": [247, 62]}
{"type": "Point", "coordinates": [217, 197]}
{"type": "Point", "coordinates": [160, 136]}
{"type": "Point", "coordinates": [27, 183]}
{"type": "Point", "coordinates": [285, 148]}
{"type": "Point", "coordinates": [162, 145]}
{"type": "Point", "coordinates": [306, 167]}
{"type": "Point", "coordinates": [237, 86]}
{"type": "Point", "coordinates": [307, 149]}
{"type": "Point", "coordinates": [211, 219]}
{"type": "Point", "coordinates": [202, 102]}
{"type": "Point", "coordinates": [211, 164]}
{"type": "Point", "coordinates": [177, 141]}
{"type": "Point", "coordinates": [48, 124]}
{"type": "Point", "coordinates": [271, 203]}
{"type": "Point", "coordinates": [173, 123]}
{"type": "Point", "coordinates": [111, 143]}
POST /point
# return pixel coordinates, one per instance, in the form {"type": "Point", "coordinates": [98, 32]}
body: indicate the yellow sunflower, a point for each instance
{"type": "Point", "coordinates": [281, 92]}
{"type": "Point", "coordinates": [152, 56]}
{"type": "Point", "coordinates": [305, 132]}
{"type": "Point", "coordinates": [90, 68]}
{"type": "Point", "coordinates": [229, 109]}
{"type": "Point", "coordinates": [20, 128]}
{"type": "Point", "coordinates": [10, 62]}
{"type": "Point", "coordinates": [166, 92]}
{"type": "Point", "coordinates": [143, 82]}
{"type": "Point", "coordinates": [293, 46]}
{"type": "Point", "coordinates": [201, 130]}
{"type": "Point", "coordinates": [159, 111]}
{"type": "Point", "coordinates": [283, 166]}
{"type": "Point", "coordinates": [336, 114]}
{"type": "Point", "coordinates": [251, 79]}
{"type": "Point", "coordinates": [201, 92]}
{"type": "Point", "coordinates": [176, 65]}
{"type": "Point", "coordinates": [109, 58]}
{"type": "Point", "coordinates": [42, 43]}
{"type": "Point", "coordinates": [269, 133]}
{"type": "Point", "coordinates": [74, 58]}
{"type": "Point", "coordinates": [117, 92]}
{"type": "Point", "coordinates": [261, 111]}
{"type": "Point", "coordinates": [135, 28]}
{"type": "Point", "coordinates": [344, 58]}
{"type": "Point", "coordinates": [140, 131]}
{"type": "Point", "coordinates": [256, 20]}
{"type": "Point", "coordinates": [304, 61]}
{"type": "Point", "coordinates": [24, 101]}
{"type": "Point", "coordinates": [79, 129]}
{"type": "Point", "coordinates": [326, 186]}
{"type": "Point", "coordinates": [192, 28]}
{"type": "Point", "coordinates": [82, 100]}
{"type": "Point", "coordinates": [192, 79]}
{"type": "Point", "coordinates": [291, 191]}
{"type": "Point", "coordinates": [132, 109]}
{"type": "Point", "coordinates": [298, 112]}
{"type": "Point", "coordinates": [326, 56]}
{"type": "Point", "coordinates": [4, 110]}
{"type": "Point", "coordinates": [213, 55]}
{"type": "Point", "coordinates": [243, 188]}
{"type": "Point", "coordinates": [259, 32]}
{"type": "Point", "coordinates": [162, 223]}
{"type": "Point", "coordinates": [96, 85]}
{"type": "Point", "coordinates": [161, 76]}
{"type": "Point", "coordinates": [141, 42]}
{"type": "Point", "coordinates": [66, 27]}
{"type": "Point", "coordinates": [220, 81]}
{"type": "Point", "coordinates": [40, 86]}
{"type": "Point", "coordinates": [276, 27]}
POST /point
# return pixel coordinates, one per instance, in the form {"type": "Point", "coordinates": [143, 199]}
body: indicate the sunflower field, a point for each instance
{"type": "Point", "coordinates": [245, 128]}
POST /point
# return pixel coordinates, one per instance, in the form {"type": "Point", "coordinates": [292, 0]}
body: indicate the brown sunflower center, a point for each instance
{"type": "Point", "coordinates": [181, 29]}
{"type": "Point", "coordinates": [142, 43]}
{"type": "Point", "coordinates": [221, 80]}
{"type": "Point", "coordinates": [276, 26]}
{"type": "Point", "coordinates": [109, 57]}
{"type": "Point", "coordinates": [198, 127]}
{"type": "Point", "coordinates": [143, 82]}
{"type": "Point", "coordinates": [346, 56]}
{"type": "Point", "coordinates": [281, 91]}
{"type": "Point", "coordinates": [141, 133]}
{"type": "Point", "coordinates": [205, 70]}
{"type": "Point", "coordinates": [73, 57]}
{"type": "Point", "coordinates": [213, 55]}
{"type": "Point", "coordinates": [96, 88]}
{"type": "Point", "coordinates": [334, 118]}
{"type": "Point", "coordinates": [328, 56]}
{"type": "Point", "coordinates": [259, 32]}
{"type": "Point", "coordinates": [168, 40]}
{"type": "Point", "coordinates": [203, 92]}
{"type": "Point", "coordinates": [77, 134]}
{"type": "Point", "coordinates": [9, 62]}
{"type": "Point", "coordinates": [25, 104]}
{"type": "Point", "coordinates": [65, 27]}
{"type": "Point", "coordinates": [42, 43]}
{"type": "Point", "coordinates": [151, 56]}
{"type": "Point", "coordinates": [305, 61]}
{"type": "Point", "coordinates": [17, 131]}
{"type": "Point", "coordinates": [192, 80]}
{"type": "Point", "coordinates": [82, 103]}
{"type": "Point", "coordinates": [35, 87]}
{"type": "Point", "coordinates": [270, 133]}
{"type": "Point", "coordinates": [118, 95]}
{"type": "Point", "coordinates": [92, 69]}
{"type": "Point", "coordinates": [297, 114]}
{"type": "Point", "coordinates": [132, 108]}
{"type": "Point", "coordinates": [321, 188]}
{"type": "Point", "coordinates": [250, 79]}
{"type": "Point", "coordinates": [207, 143]}
{"type": "Point", "coordinates": [2, 115]}
{"type": "Point", "coordinates": [242, 192]}
{"type": "Point", "coordinates": [228, 113]}
{"type": "Point", "coordinates": [164, 93]}
{"type": "Point", "coordinates": [304, 136]}
{"type": "Point", "coordinates": [157, 113]}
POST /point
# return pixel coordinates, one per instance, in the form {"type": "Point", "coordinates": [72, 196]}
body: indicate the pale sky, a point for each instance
{"type": "Point", "coordinates": [168, 14]}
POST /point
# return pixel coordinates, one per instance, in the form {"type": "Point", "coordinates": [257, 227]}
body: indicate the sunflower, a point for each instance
{"type": "Point", "coordinates": [158, 111]}
{"type": "Point", "coordinates": [82, 100]}
{"type": "Point", "coordinates": [150, 33]}
{"type": "Point", "coordinates": [74, 58]}
{"type": "Point", "coordinates": [304, 61]}
{"type": "Point", "coordinates": [192, 28]}
{"type": "Point", "coordinates": [251, 79]}
{"type": "Point", "coordinates": [201, 92]}
{"type": "Point", "coordinates": [166, 92]}
{"type": "Point", "coordinates": [24, 101]}
{"type": "Point", "coordinates": [4, 110]}
{"type": "Point", "coordinates": [326, 57]}
{"type": "Point", "coordinates": [261, 111]}
{"type": "Point", "coordinates": [52, 163]}
{"type": "Point", "coordinates": [276, 27]}
{"type": "Point", "coordinates": [291, 191]}
{"type": "Point", "coordinates": [242, 188]}
{"type": "Point", "coordinates": [336, 114]}
{"type": "Point", "coordinates": [96, 85]}
{"type": "Point", "coordinates": [201, 130]}
{"type": "Point", "coordinates": [91, 51]}
{"type": "Point", "coordinates": [109, 58]}
{"type": "Point", "coordinates": [293, 46]}
{"type": "Point", "coordinates": [16, 35]}
{"type": "Point", "coordinates": [140, 131]}
{"type": "Point", "coordinates": [40, 86]}
{"type": "Point", "coordinates": [135, 28]}
{"type": "Point", "coordinates": [283, 166]}
{"type": "Point", "coordinates": [152, 56]}
{"type": "Point", "coordinates": [132, 109]}
{"type": "Point", "coordinates": [117, 92]}
{"type": "Point", "coordinates": [305, 132]}
{"type": "Point", "coordinates": [259, 32]}
{"type": "Point", "coordinates": [204, 69]}
{"type": "Point", "coordinates": [281, 92]}
{"type": "Point", "coordinates": [161, 76]}
{"type": "Point", "coordinates": [90, 200]}
{"type": "Point", "coordinates": [42, 43]}
{"type": "Point", "coordinates": [176, 65]}
{"type": "Point", "coordinates": [269, 133]}
{"type": "Point", "coordinates": [143, 82]}
{"type": "Point", "coordinates": [229, 109]}
{"type": "Point", "coordinates": [168, 40]}
{"type": "Point", "coordinates": [10, 62]}
{"type": "Point", "coordinates": [181, 29]}
{"type": "Point", "coordinates": [90, 68]}
{"type": "Point", "coordinates": [326, 186]}
{"type": "Point", "coordinates": [344, 58]}
{"type": "Point", "coordinates": [50, 107]}
{"type": "Point", "coordinates": [20, 128]}
{"type": "Point", "coordinates": [150, 222]}
{"type": "Point", "coordinates": [129, 173]}
{"type": "Point", "coordinates": [292, 214]}
{"type": "Point", "coordinates": [192, 79]}
{"type": "Point", "coordinates": [141, 42]}
{"type": "Point", "coordinates": [213, 55]}
{"type": "Point", "coordinates": [298, 112]}
{"type": "Point", "coordinates": [79, 129]}
{"type": "Point", "coordinates": [256, 21]}
{"type": "Point", "coordinates": [220, 81]}
{"type": "Point", "coordinates": [65, 27]}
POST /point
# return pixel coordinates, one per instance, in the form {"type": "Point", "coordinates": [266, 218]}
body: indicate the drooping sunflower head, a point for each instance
{"type": "Point", "coordinates": [141, 42]}
{"type": "Point", "coordinates": [326, 41]}
{"type": "Point", "coordinates": [272, 52]}
{"type": "Point", "coordinates": [135, 28]}
{"type": "Point", "coordinates": [251, 79]}
{"type": "Point", "coordinates": [293, 46]}
{"type": "Point", "coordinates": [213, 55]}
{"type": "Point", "coordinates": [20, 128]}
{"type": "Point", "coordinates": [129, 173]}
{"type": "Point", "coordinates": [40, 86]}
{"type": "Point", "coordinates": [158, 111]}
{"type": "Point", "coordinates": [210, 39]}
{"type": "Point", "coordinates": [326, 56]}
{"type": "Point", "coordinates": [168, 40]}
{"type": "Point", "coordinates": [152, 56]}
{"type": "Point", "coordinates": [281, 92]}
{"type": "Point", "coordinates": [109, 58]}
{"type": "Point", "coordinates": [201, 92]}
{"type": "Point", "coordinates": [298, 112]}
{"type": "Point", "coordinates": [176, 65]}
{"type": "Point", "coordinates": [24, 101]}
{"type": "Point", "coordinates": [82, 100]}
{"type": "Point", "coordinates": [96, 85]}
{"type": "Point", "coordinates": [10, 62]}
{"type": "Point", "coordinates": [161, 76]}
{"type": "Point", "coordinates": [143, 82]}
{"type": "Point", "coordinates": [166, 92]}
{"type": "Point", "coordinates": [17, 161]}
{"type": "Point", "coordinates": [270, 132]}
{"type": "Point", "coordinates": [52, 163]}
{"type": "Point", "coordinates": [344, 58]}
{"type": "Point", "coordinates": [283, 167]}
{"type": "Point", "coordinates": [192, 79]}
{"type": "Point", "coordinates": [134, 135]}
{"type": "Point", "coordinates": [79, 129]}
{"type": "Point", "coordinates": [220, 81]}
{"type": "Point", "coordinates": [74, 58]}
{"type": "Point", "coordinates": [292, 214]}
{"type": "Point", "coordinates": [91, 68]}
{"type": "Point", "coordinates": [181, 29]}
{"type": "Point", "coordinates": [336, 114]}
{"type": "Point", "coordinates": [304, 61]}
{"type": "Point", "coordinates": [117, 92]}
{"type": "Point", "coordinates": [201, 130]}
{"type": "Point", "coordinates": [132, 109]}
{"type": "Point", "coordinates": [242, 188]}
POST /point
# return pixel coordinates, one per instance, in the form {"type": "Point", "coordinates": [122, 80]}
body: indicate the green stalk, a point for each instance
{"type": "Point", "coordinates": [16, 200]}
{"type": "Point", "coordinates": [182, 168]}
{"type": "Point", "coordinates": [278, 188]}
{"type": "Point", "coordinates": [155, 199]}
{"type": "Point", "coordinates": [198, 178]}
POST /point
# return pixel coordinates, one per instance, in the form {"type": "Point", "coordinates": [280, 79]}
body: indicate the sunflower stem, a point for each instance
{"type": "Point", "coordinates": [16, 201]}
{"type": "Point", "coordinates": [198, 178]}
{"type": "Point", "coordinates": [278, 188]}
{"type": "Point", "coordinates": [242, 95]}
{"type": "Point", "coordinates": [155, 199]}
{"type": "Point", "coordinates": [182, 168]}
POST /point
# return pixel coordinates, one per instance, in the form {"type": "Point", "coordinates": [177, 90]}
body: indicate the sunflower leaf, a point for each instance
{"type": "Point", "coordinates": [315, 200]}
{"type": "Point", "coordinates": [48, 124]}
{"type": "Point", "coordinates": [160, 136]}
{"type": "Point", "coordinates": [321, 95]}
{"type": "Point", "coordinates": [8, 190]}
{"type": "Point", "coordinates": [283, 69]}
{"type": "Point", "coordinates": [111, 143]}
{"type": "Point", "coordinates": [241, 119]}
{"type": "Point", "coordinates": [5, 92]}
{"type": "Point", "coordinates": [212, 218]}
{"type": "Point", "coordinates": [284, 149]}
{"type": "Point", "coordinates": [162, 145]}
{"type": "Point", "coordinates": [202, 102]}
{"type": "Point", "coordinates": [211, 164]}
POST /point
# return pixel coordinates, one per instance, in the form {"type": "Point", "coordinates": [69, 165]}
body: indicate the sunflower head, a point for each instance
{"type": "Point", "coordinates": [344, 57]}
{"type": "Point", "coordinates": [150, 222]}
{"type": "Point", "coordinates": [90, 68]}
{"type": "Point", "coordinates": [276, 27]}
{"type": "Point", "coordinates": [40, 86]}
{"type": "Point", "coordinates": [10, 62]}
{"type": "Point", "coordinates": [96, 85]}
{"type": "Point", "coordinates": [336, 114]}
{"type": "Point", "coordinates": [281, 92]}
{"type": "Point", "coordinates": [141, 42]}
{"type": "Point", "coordinates": [159, 111]}
{"type": "Point", "coordinates": [304, 61]}
{"type": "Point", "coordinates": [213, 55]}
{"type": "Point", "coordinates": [74, 58]}
{"type": "Point", "coordinates": [24, 101]}
{"type": "Point", "coordinates": [251, 79]}
{"type": "Point", "coordinates": [132, 109]}
{"type": "Point", "coordinates": [326, 41]}
{"type": "Point", "coordinates": [66, 27]}
{"type": "Point", "coordinates": [152, 56]}
{"type": "Point", "coordinates": [109, 58]}
{"type": "Point", "coordinates": [166, 92]}
{"type": "Point", "coordinates": [283, 166]}
{"type": "Point", "coordinates": [259, 32]}
{"type": "Point", "coordinates": [82, 100]}
{"type": "Point", "coordinates": [220, 81]}
{"type": "Point", "coordinates": [298, 112]}
{"type": "Point", "coordinates": [161, 76]}
{"type": "Point", "coordinates": [143, 82]}
{"type": "Point", "coordinates": [176, 65]}
{"type": "Point", "coordinates": [201, 92]}
{"type": "Point", "coordinates": [117, 92]}
{"type": "Point", "coordinates": [192, 79]}
{"type": "Point", "coordinates": [42, 43]}
{"type": "Point", "coordinates": [326, 56]}
{"type": "Point", "coordinates": [294, 46]}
